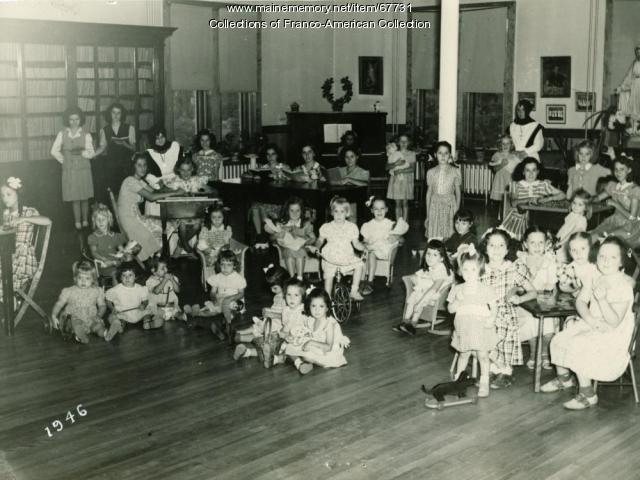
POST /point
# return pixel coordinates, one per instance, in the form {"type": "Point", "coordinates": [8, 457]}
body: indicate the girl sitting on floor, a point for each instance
{"type": "Point", "coordinates": [475, 307]}
{"type": "Point", "coordinates": [295, 296]}
{"type": "Point", "coordinates": [82, 305]}
{"type": "Point", "coordinates": [435, 273]}
{"type": "Point", "coordinates": [107, 246]}
{"type": "Point", "coordinates": [510, 283]}
{"type": "Point", "coordinates": [293, 233]}
{"type": "Point", "coordinates": [539, 262]}
{"type": "Point", "coordinates": [276, 278]}
{"type": "Point", "coordinates": [379, 238]}
{"type": "Point", "coordinates": [341, 237]}
{"type": "Point", "coordinates": [596, 345]}
{"type": "Point", "coordinates": [163, 289]}
{"type": "Point", "coordinates": [316, 337]}
{"type": "Point", "coordinates": [215, 235]}
{"type": "Point", "coordinates": [129, 302]}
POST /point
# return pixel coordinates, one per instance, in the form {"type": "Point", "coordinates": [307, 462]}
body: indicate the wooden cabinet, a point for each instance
{"type": "Point", "coordinates": [47, 66]}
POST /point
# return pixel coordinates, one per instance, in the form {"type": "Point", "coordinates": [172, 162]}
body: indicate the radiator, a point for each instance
{"type": "Point", "coordinates": [233, 170]}
{"type": "Point", "coordinates": [476, 179]}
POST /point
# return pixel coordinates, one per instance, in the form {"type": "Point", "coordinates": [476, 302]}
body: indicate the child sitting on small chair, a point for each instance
{"type": "Point", "coordinates": [216, 234]}
{"type": "Point", "coordinates": [227, 289]}
{"type": "Point", "coordinates": [129, 302]}
{"type": "Point", "coordinates": [107, 246]}
{"type": "Point", "coordinates": [575, 221]}
{"type": "Point", "coordinates": [380, 237]}
{"type": "Point", "coordinates": [82, 305]}
{"type": "Point", "coordinates": [163, 289]}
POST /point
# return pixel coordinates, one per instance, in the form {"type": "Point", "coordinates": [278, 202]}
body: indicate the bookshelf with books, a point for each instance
{"type": "Point", "coordinates": [47, 66]}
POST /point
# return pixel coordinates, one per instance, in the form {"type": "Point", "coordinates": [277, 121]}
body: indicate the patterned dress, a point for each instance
{"type": "Point", "coordinates": [338, 251]}
{"type": "Point", "coordinates": [515, 222]}
{"type": "Point", "coordinates": [471, 331]}
{"type": "Point", "coordinates": [303, 330]}
{"type": "Point", "coordinates": [208, 163]}
{"type": "Point", "coordinates": [509, 275]}
{"type": "Point", "coordinates": [24, 258]}
{"type": "Point", "coordinates": [401, 184]}
{"type": "Point", "coordinates": [619, 224]}
{"type": "Point", "coordinates": [443, 179]}
{"type": "Point", "coordinates": [212, 240]}
{"type": "Point", "coordinates": [82, 304]}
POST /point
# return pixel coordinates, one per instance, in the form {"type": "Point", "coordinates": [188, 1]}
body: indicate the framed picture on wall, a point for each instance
{"type": "Point", "coordinates": [585, 101]}
{"type": "Point", "coordinates": [370, 76]}
{"type": "Point", "coordinates": [556, 77]}
{"type": "Point", "coordinates": [557, 114]}
{"type": "Point", "coordinates": [528, 96]}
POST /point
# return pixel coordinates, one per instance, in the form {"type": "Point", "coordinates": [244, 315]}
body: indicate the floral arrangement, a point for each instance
{"type": "Point", "coordinates": [337, 103]}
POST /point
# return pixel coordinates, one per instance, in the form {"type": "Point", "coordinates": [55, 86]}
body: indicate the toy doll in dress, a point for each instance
{"type": "Point", "coordinates": [381, 237]}
{"type": "Point", "coordinates": [575, 221]}
{"type": "Point", "coordinates": [434, 274]}
{"type": "Point", "coordinates": [443, 194]}
{"type": "Point", "coordinates": [129, 302]}
{"type": "Point", "coordinates": [316, 338]}
{"type": "Point", "coordinates": [475, 306]}
{"type": "Point", "coordinates": [81, 307]}
{"type": "Point", "coordinates": [276, 278]}
{"type": "Point", "coordinates": [163, 289]}
{"type": "Point", "coordinates": [215, 235]}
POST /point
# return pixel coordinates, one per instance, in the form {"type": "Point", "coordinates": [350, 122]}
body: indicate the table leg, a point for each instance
{"type": "Point", "coordinates": [538, 370]}
{"type": "Point", "coordinates": [6, 264]}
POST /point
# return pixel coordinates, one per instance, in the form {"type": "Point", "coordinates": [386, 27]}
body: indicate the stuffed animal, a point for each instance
{"type": "Point", "coordinates": [458, 388]}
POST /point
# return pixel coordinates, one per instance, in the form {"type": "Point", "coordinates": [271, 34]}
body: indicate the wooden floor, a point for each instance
{"type": "Point", "coordinates": [173, 404]}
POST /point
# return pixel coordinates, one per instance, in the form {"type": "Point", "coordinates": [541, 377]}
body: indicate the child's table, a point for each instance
{"type": "Point", "coordinates": [551, 215]}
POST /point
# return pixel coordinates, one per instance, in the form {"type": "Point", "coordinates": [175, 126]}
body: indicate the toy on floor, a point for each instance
{"type": "Point", "coordinates": [437, 395]}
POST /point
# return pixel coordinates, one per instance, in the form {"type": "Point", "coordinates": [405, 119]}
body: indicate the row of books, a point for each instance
{"type": "Point", "coordinates": [107, 87]}
{"type": "Point", "coordinates": [85, 72]}
{"type": "Point", "coordinates": [125, 54]}
{"type": "Point", "coordinates": [46, 104]}
{"type": "Point", "coordinates": [11, 150]}
{"type": "Point", "coordinates": [145, 72]}
{"type": "Point", "coordinates": [84, 54]}
{"type": "Point", "coordinates": [46, 87]}
{"type": "Point", "coordinates": [8, 51]}
{"type": "Point", "coordinates": [43, 53]}
{"type": "Point", "coordinates": [41, 126]}
{"type": "Point", "coordinates": [10, 106]}
{"type": "Point", "coordinates": [10, 127]}
{"type": "Point", "coordinates": [145, 87]}
{"type": "Point", "coordinates": [9, 88]}
{"type": "Point", "coordinates": [8, 71]}
{"type": "Point", "coordinates": [145, 54]}
{"type": "Point", "coordinates": [40, 148]}
{"type": "Point", "coordinates": [46, 72]}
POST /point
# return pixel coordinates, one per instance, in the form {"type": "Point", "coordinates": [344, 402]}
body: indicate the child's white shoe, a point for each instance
{"type": "Point", "coordinates": [239, 352]}
{"type": "Point", "coordinates": [581, 402]}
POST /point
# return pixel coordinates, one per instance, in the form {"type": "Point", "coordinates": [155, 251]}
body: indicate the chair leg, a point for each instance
{"type": "Point", "coordinates": [452, 370]}
{"type": "Point", "coordinates": [28, 302]}
{"type": "Point", "coordinates": [633, 382]}
{"type": "Point", "coordinates": [474, 367]}
{"type": "Point", "coordinates": [595, 387]}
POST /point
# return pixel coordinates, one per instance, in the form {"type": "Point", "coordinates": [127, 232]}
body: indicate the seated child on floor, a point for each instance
{"type": "Point", "coordinates": [128, 302]}
{"type": "Point", "coordinates": [380, 237]}
{"type": "Point", "coordinates": [464, 232]}
{"type": "Point", "coordinates": [163, 289]}
{"type": "Point", "coordinates": [575, 221]}
{"type": "Point", "coordinates": [276, 278]}
{"type": "Point", "coordinates": [435, 272]}
{"type": "Point", "coordinates": [316, 338]}
{"type": "Point", "coordinates": [215, 235]}
{"type": "Point", "coordinates": [107, 246]}
{"type": "Point", "coordinates": [227, 289]}
{"type": "Point", "coordinates": [81, 307]}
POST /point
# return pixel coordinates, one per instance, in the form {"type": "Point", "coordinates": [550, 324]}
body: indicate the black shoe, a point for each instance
{"type": "Point", "coordinates": [396, 328]}
{"type": "Point", "coordinates": [408, 329]}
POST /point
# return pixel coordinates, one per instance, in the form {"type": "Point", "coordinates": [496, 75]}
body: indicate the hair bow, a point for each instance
{"type": "Point", "coordinates": [309, 290]}
{"type": "Point", "coordinates": [369, 202]}
{"type": "Point", "coordinates": [14, 183]}
{"type": "Point", "coordinates": [267, 268]}
{"type": "Point", "coordinates": [628, 157]}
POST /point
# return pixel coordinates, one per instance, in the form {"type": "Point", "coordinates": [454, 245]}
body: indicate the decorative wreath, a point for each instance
{"type": "Point", "coordinates": [347, 88]}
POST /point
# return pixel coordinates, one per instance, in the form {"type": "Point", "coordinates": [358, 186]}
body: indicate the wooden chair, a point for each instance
{"type": "Point", "coordinates": [114, 208]}
{"type": "Point", "coordinates": [506, 200]}
{"type": "Point", "coordinates": [208, 270]}
{"type": "Point", "coordinates": [632, 353]}
{"type": "Point", "coordinates": [432, 315]}
{"type": "Point", "coordinates": [311, 265]}
{"type": "Point", "coordinates": [384, 268]}
{"type": "Point", "coordinates": [40, 242]}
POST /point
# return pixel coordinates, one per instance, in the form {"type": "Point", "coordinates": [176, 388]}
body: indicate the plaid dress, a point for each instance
{"type": "Point", "coordinates": [515, 222]}
{"type": "Point", "coordinates": [25, 262]}
{"type": "Point", "coordinates": [508, 350]}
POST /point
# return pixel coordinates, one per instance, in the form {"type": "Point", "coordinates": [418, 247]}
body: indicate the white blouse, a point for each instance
{"type": "Point", "coordinates": [56, 148]}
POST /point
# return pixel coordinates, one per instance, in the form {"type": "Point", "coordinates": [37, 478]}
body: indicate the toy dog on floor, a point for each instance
{"type": "Point", "coordinates": [457, 389]}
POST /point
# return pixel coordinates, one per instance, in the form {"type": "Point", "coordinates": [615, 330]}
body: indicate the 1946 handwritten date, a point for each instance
{"type": "Point", "coordinates": [70, 418]}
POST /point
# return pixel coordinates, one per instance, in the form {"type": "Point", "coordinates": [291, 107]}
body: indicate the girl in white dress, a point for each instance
{"type": "Point", "coordinates": [341, 237]}
{"type": "Point", "coordinates": [539, 262]}
{"type": "Point", "coordinates": [596, 345]}
{"type": "Point", "coordinates": [318, 337]}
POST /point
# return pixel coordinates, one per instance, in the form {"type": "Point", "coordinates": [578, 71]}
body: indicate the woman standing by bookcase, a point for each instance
{"type": "Point", "coordinates": [73, 148]}
{"type": "Point", "coordinates": [113, 156]}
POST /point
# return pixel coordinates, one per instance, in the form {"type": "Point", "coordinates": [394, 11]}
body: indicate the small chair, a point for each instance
{"type": "Point", "coordinates": [474, 366]}
{"type": "Point", "coordinates": [311, 264]}
{"type": "Point", "coordinates": [632, 353]}
{"type": "Point", "coordinates": [384, 268]}
{"type": "Point", "coordinates": [208, 270]}
{"type": "Point", "coordinates": [114, 208]}
{"type": "Point", "coordinates": [433, 315]}
{"type": "Point", "coordinates": [40, 242]}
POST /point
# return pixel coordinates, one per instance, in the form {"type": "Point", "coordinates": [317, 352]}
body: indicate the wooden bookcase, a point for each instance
{"type": "Point", "coordinates": [47, 66]}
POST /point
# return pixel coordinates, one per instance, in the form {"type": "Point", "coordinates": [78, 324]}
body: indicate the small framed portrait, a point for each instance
{"type": "Point", "coordinates": [557, 114]}
{"type": "Point", "coordinates": [585, 101]}
{"type": "Point", "coordinates": [370, 76]}
{"type": "Point", "coordinates": [528, 96]}
{"type": "Point", "coordinates": [556, 77]}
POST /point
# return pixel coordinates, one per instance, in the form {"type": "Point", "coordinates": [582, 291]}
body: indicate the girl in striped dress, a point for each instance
{"type": "Point", "coordinates": [443, 194]}
{"type": "Point", "coordinates": [529, 190]}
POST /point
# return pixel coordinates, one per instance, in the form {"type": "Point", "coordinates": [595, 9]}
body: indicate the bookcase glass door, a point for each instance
{"type": "Point", "coordinates": [11, 109]}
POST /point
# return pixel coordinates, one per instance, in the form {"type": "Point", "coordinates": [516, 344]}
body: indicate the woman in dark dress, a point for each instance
{"type": "Point", "coordinates": [113, 157]}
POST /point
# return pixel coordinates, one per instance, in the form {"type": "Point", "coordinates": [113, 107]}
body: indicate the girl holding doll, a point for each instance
{"type": "Point", "coordinates": [504, 161]}
{"type": "Point", "coordinates": [216, 233]}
